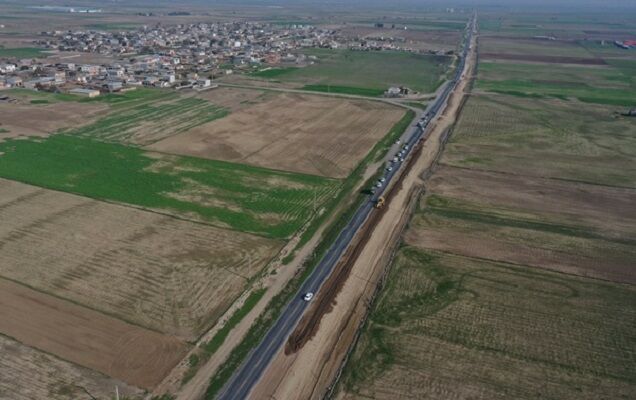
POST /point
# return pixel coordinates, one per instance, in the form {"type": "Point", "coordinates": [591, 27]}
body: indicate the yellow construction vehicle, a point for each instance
{"type": "Point", "coordinates": [380, 202]}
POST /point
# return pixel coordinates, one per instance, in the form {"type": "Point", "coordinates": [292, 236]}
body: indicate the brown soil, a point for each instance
{"type": "Point", "coordinates": [583, 257]}
{"type": "Point", "coordinates": [160, 272]}
{"type": "Point", "coordinates": [608, 210]}
{"type": "Point", "coordinates": [21, 119]}
{"type": "Point", "coordinates": [234, 99]}
{"type": "Point", "coordinates": [85, 337]}
{"type": "Point", "coordinates": [544, 59]}
{"type": "Point", "coordinates": [29, 374]}
{"type": "Point", "coordinates": [301, 133]}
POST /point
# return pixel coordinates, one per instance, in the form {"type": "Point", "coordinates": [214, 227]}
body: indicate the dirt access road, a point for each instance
{"type": "Point", "coordinates": [310, 371]}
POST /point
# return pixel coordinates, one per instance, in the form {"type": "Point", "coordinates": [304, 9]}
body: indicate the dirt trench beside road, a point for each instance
{"type": "Point", "coordinates": [308, 372]}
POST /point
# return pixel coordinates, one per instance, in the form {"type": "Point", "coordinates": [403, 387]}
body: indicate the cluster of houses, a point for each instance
{"type": "Point", "coordinates": [172, 56]}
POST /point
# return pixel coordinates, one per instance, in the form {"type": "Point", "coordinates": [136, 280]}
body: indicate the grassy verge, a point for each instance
{"type": "Point", "coordinates": [276, 305]}
{"type": "Point", "coordinates": [197, 359]}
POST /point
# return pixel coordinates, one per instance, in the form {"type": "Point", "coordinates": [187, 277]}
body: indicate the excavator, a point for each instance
{"type": "Point", "coordinates": [380, 202]}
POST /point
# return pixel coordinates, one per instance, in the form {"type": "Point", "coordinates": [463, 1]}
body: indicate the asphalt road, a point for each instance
{"type": "Point", "coordinates": [248, 374]}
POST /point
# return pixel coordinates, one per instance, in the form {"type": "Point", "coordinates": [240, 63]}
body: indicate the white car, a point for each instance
{"type": "Point", "coordinates": [398, 141]}
{"type": "Point", "coordinates": [383, 179]}
{"type": "Point", "coordinates": [308, 296]}
{"type": "Point", "coordinates": [389, 169]}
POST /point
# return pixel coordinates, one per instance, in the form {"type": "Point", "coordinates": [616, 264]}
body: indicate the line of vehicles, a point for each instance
{"type": "Point", "coordinates": [420, 128]}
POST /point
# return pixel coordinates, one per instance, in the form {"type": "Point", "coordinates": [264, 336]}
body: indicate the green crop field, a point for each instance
{"type": "Point", "coordinates": [147, 123]}
{"type": "Point", "coordinates": [22, 52]}
{"type": "Point", "coordinates": [139, 117]}
{"type": "Point", "coordinates": [270, 203]}
{"type": "Point", "coordinates": [364, 72]}
{"type": "Point", "coordinates": [613, 85]}
{"type": "Point", "coordinates": [477, 329]}
{"type": "Point", "coordinates": [533, 47]}
{"type": "Point", "coordinates": [545, 137]}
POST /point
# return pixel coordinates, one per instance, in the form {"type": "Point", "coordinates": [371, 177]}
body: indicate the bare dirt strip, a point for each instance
{"type": "Point", "coordinates": [316, 135]}
{"type": "Point", "coordinates": [543, 58]}
{"type": "Point", "coordinates": [21, 119]}
{"type": "Point", "coordinates": [135, 355]}
{"type": "Point", "coordinates": [308, 372]}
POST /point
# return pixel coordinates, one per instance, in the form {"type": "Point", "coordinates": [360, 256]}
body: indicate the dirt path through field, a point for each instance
{"type": "Point", "coordinates": [308, 373]}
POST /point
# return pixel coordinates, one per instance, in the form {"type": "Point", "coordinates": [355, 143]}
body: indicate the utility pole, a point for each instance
{"type": "Point", "coordinates": [117, 392]}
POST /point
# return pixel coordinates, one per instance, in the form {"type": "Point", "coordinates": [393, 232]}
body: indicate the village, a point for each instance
{"type": "Point", "coordinates": [179, 56]}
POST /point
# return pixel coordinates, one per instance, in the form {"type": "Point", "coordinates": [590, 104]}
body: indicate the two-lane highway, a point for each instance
{"type": "Point", "coordinates": [241, 383]}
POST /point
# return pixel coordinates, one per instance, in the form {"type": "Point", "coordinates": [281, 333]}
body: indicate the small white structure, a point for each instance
{"type": "Point", "coordinates": [84, 92]}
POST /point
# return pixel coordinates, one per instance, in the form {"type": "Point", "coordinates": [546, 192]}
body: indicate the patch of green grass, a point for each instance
{"type": "Point", "coordinates": [213, 345]}
{"type": "Point", "coordinates": [22, 52]}
{"type": "Point", "coordinates": [612, 85]}
{"type": "Point", "coordinates": [272, 72]}
{"type": "Point", "coordinates": [158, 120]}
{"type": "Point", "coordinates": [622, 97]}
{"type": "Point", "coordinates": [250, 199]}
{"type": "Point", "coordinates": [3, 130]}
{"type": "Point", "coordinates": [344, 90]}
{"type": "Point", "coordinates": [374, 71]}
{"type": "Point", "coordinates": [40, 101]}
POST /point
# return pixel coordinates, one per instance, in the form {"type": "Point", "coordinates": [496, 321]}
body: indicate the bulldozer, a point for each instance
{"type": "Point", "coordinates": [380, 202]}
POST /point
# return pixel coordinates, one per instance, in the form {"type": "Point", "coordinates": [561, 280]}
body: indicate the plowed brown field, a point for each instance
{"type": "Point", "coordinates": [20, 119]}
{"type": "Point", "coordinates": [135, 355]}
{"type": "Point", "coordinates": [29, 374]}
{"type": "Point", "coordinates": [293, 132]}
{"type": "Point", "coordinates": [159, 272]}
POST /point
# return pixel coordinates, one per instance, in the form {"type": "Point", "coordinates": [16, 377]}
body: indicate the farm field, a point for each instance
{"type": "Point", "coordinates": [31, 119]}
{"type": "Point", "coordinates": [587, 23]}
{"type": "Point", "coordinates": [455, 327]}
{"type": "Point", "coordinates": [147, 123]}
{"type": "Point", "coordinates": [152, 270]}
{"type": "Point", "coordinates": [549, 138]}
{"type": "Point", "coordinates": [236, 196]}
{"type": "Point", "coordinates": [86, 337]}
{"type": "Point", "coordinates": [612, 85]}
{"type": "Point", "coordinates": [301, 133]}
{"type": "Point", "coordinates": [138, 117]}
{"type": "Point", "coordinates": [29, 374]}
{"type": "Point", "coordinates": [573, 228]}
{"type": "Point", "coordinates": [492, 47]}
{"type": "Point", "coordinates": [363, 72]}
{"type": "Point", "coordinates": [22, 52]}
